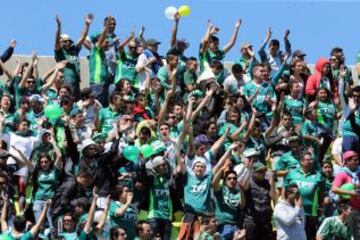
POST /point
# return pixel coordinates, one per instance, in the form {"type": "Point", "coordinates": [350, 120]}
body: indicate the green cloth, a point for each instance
{"type": "Point", "coordinates": [25, 236]}
{"type": "Point", "coordinates": [347, 129]}
{"type": "Point", "coordinates": [125, 68]}
{"type": "Point", "coordinates": [296, 108]}
{"type": "Point", "coordinates": [46, 184]}
{"type": "Point", "coordinates": [312, 129]}
{"type": "Point", "coordinates": [209, 56]}
{"type": "Point", "coordinates": [233, 129]}
{"type": "Point", "coordinates": [72, 69]}
{"type": "Point", "coordinates": [160, 200]}
{"type": "Point", "coordinates": [310, 184]}
{"type": "Point", "coordinates": [333, 229]}
{"type": "Point", "coordinates": [8, 122]}
{"type": "Point", "coordinates": [107, 118]}
{"type": "Point", "coordinates": [227, 205]}
{"type": "Point", "coordinates": [197, 193]}
{"type": "Point", "coordinates": [126, 221]}
{"type": "Point", "coordinates": [26, 92]}
{"type": "Point", "coordinates": [69, 236]}
{"type": "Point", "coordinates": [259, 102]}
{"type": "Point", "coordinates": [287, 161]}
{"type": "Point", "coordinates": [326, 113]}
{"type": "Point", "coordinates": [98, 66]}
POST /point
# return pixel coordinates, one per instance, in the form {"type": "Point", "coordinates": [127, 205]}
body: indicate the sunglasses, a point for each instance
{"type": "Point", "coordinates": [231, 178]}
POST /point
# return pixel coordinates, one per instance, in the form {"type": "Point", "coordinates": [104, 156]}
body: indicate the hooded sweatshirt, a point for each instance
{"type": "Point", "coordinates": [313, 82]}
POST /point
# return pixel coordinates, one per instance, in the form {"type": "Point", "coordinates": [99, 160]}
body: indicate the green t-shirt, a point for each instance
{"type": "Point", "coordinates": [310, 185]}
{"type": "Point", "coordinates": [347, 129]}
{"type": "Point", "coordinates": [8, 122]}
{"type": "Point", "coordinates": [26, 92]}
{"type": "Point", "coordinates": [160, 200]}
{"type": "Point", "coordinates": [332, 229]}
{"type": "Point", "coordinates": [69, 235]}
{"type": "Point", "coordinates": [259, 102]}
{"type": "Point", "coordinates": [125, 68]}
{"type": "Point", "coordinates": [46, 184]}
{"type": "Point", "coordinates": [98, 66]}
{"type": "Point", "coordinates": [25, 236]}
{"type": "Point", "coordinates": [287, 161]}
{"type": "Point", "coordinates": [107, 118]}
{"type": "Point", "coordinates": [259, 144]}
{"type": "Point", "coordinates": [210, 56]}
{"type": "Point", "coordinates": [326, 114]}
{"type": "Point", "coordinates": [126, 221]}
{"type": "Point", "coordinates": [310, 128]}
{"type": "Point", "coordinates": [227, 205]}
{"type": "Point", "coordinates": [295, 107]}
{"type": "Point", "coordinates": [72, 69]}
{"type": "Point", "coordinates": [197, 193]}
{"type": "Point", "coordinates": [233, 129]}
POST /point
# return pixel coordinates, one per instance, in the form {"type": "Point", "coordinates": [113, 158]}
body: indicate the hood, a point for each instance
{"type": "Point", "coordinates": [321, 62]}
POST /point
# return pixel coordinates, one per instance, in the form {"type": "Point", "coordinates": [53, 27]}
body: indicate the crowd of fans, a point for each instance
{"type": "Point", "coordinates": [177, 147]}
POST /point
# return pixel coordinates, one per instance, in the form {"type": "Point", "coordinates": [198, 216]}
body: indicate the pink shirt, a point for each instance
{"type": "Point", "coordinates": [340, 180]}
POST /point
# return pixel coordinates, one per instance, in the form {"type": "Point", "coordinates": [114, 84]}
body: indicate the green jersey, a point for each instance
{"type": "Point", "coordinates": [311, 129]}
{"type": "Point", "coordinates": [126, 221]}
{"type": "Point", "coordinates": [46, 183]}
{"type": "Point", "coordinates": [266, 90]}
{"type": "Point", "coordinates": [287, 161]}
{"type": "Point", "coordinates": [125, 68]}
{"type": "Point", "coordinates": [9, 235]}
{"type": "Point", "coordinates": [197, 193]}
{"type": "Point", "coordinates": [233, 129]}
{"type": "Point", "coordinates": [98, 66]}
{"type": "Point", "coordinates": [326, 114]}
{"type": "Point", "coordinates": [227, 205]}
{"type": "Point", "coordinates": [160, 200]}
{"type": "Point", "coordinates": [310, 184]}
{"type": "Point", "coordinates": [72, 69]}
{"type": "Point", "coordinates": [296, 108]}
{"type": "Point", "coordinates": [332, 228]}
{"type": "Point", "coordinates": [107, 118]}
{"type": "Point", "coordinates": [209, 56]}
{"type": "Point", "coordinates": [348, 129]}
{"type": "Point", "coordinates": [69, 235]}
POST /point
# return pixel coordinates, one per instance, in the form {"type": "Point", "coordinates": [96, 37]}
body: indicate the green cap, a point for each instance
{"type": "Point", "coordinates": [258, 166]}
{"type": "Point", "coordinates": [99, 137]}
{"type": "Point", "coordinates": [158, 146]}
{"type": "Point", "coordinates": [146, 151]}
{"type": "Point", "coordinates": [131, 153]}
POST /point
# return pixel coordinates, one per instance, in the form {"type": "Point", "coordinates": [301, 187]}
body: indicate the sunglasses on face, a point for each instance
{"type": "Point", "coordinates": [231, 178]}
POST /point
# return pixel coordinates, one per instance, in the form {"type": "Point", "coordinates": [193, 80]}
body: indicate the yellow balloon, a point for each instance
{"type": "Point", "coordinates": [184, 10]}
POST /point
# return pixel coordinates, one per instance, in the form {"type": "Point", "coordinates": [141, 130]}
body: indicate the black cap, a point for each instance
{"type": "Point", "coordinates": [298, 53]}
{"type": "Point", "coordinates": [152, 42]}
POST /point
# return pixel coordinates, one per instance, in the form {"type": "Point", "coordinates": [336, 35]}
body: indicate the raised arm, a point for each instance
{"type": "Point", "coordinates": [205, 40]}
{"type": "Point", "coordinates": [5, 70]}
{"type": "Point", "coordinates": [224, 157]}
{"type": "Point", "coordinates": [287, 43]}
{"type": "Point", "coordinates": [202, 104]}
{"type": "Point", "coordinates": [28, 71]}
{"type": "Point", "coordinates": [91, 214]}
{"type": "Point", "coordinates": [9, 51]}
{"type": "Point", "coordinates": [169, 94]}
{"type": "Point", "coordinates": [101, 224]}
{"type": "Point", "coordinates": [251, 126]}
{"type": "Point", "coordinates": [125, 42]}
{"type": "Point", "coordinates": [88, 20]}
{"type": "Point", "coordinates": [58, 33]}
{"type": "Point", "coordinates": [101, 42]}
{"type": "Point", "coordinates": [23, 158]}
{"type": "Point", "coordinates": [59, 66]}
{"type": "Point", "coordinates": [58, 160]}
{"type": "Point", "coordinates": [120, 211]}
{"type": "Point", "coordinates": [233, 38]}
{"type": "Point", "coordinates": [220, 142]}
{"type": "Point", "coordinates": [4, 225]}
{"type": "Point", "coordinates": [36, 228]}
{"type": "Point", "coordinates": [217, 177]}
{"type": "Point", "coordinates": [173, 39]}
{"type": "Point", "coordinates": [261, 52]}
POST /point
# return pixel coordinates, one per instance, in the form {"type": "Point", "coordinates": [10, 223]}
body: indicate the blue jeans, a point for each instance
{"type": "Point", "coordinates": [161, 228]}
{"type": "Point", "coordinates": [37, 209]}
{"type": "Point", "coordinates": [227, 231]}
{"type": "Point", "coordinates": [350, 143]}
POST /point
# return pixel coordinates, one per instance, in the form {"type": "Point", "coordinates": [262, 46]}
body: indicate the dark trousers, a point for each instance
{"type": "Point", "coordinates": [311, 226]}
{"type": "Point", "coordinates": [256, 231]}
{"type": "Point", "coordinates": [161, 228]}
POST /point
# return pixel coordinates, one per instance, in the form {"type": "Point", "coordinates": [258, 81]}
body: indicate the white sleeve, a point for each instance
{"type": "Point", "coordinates": [284, 215]}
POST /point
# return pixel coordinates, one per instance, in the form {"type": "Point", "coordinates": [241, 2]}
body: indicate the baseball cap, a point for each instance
{"type": "Point", "coordinates": [153, 163]}
{"type": "Point", "coordinates": [349, 154]}
{"type": "Point", "coordinates": [258, 166]}
{"type": "Point", "coordinates": [152, 41]}
{"type": "Point", "coordinates": [298, 53]}
{"type": "Point", "coordinates": [65, 37]}
{"type": "Point", "coordinates": [36, 98]}
{"type": "Point", "coordinates": [250, 152]}
{"type": "Point", "coordinates": [245, 45]}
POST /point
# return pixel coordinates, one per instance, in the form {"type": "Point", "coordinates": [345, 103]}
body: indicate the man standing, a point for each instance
{"type": "Point", "coordinates": [65, 49]}
{"type": "Point", "coordinates": [289, 215]}
{"type": "Point", "coordinates": [311, 184]}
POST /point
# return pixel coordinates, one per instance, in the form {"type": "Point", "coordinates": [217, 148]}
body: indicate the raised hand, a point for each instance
{"type": "Point", "coordinates": [13, 43]}
{"type": "Point", "coordinates": [89, 18]}
{"type": "Point", "coordinates": [177, 17]}
{"type": "Point", "coordinates": [268, 34]}
{"type": "Point", "coordinates": [238, 24]}
{"type": "Point", "coordinates": [129, 197]}
{"type": "Point", "coordinates": [287, 33]}
{"type": "Point", "coordinates": [61, 65]}
{"type": "Point", "coordinates": [58, 20]}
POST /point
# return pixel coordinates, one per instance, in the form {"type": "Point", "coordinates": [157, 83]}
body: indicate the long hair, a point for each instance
{"type": "Point", "coordinates": [38, 170]}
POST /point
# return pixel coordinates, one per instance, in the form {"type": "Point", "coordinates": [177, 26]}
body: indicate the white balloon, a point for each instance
{"type": "Point", "coordinates": [170, 12]}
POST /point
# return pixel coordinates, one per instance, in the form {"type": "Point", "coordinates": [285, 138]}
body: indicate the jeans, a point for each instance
{"type": "Point", "coordinates": [227, 231]}
{"type": "Point", "coordinates": [102, 92]}
{"type": "Point", "coordinates": [311, 226]}
{"type": "Point", "coordinates": [256, 231]}
{"type": "Point", "coordinates": [161, 228]}
{"type": "Point", "coordinates": [37, 209]}
{"type": "Point", "coordinates": [350, 143]}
